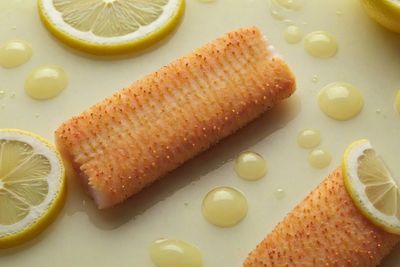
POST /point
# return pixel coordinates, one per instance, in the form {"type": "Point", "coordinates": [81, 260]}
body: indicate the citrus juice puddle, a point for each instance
{"type": "Point", "coordinates": [250, 166]}
{"type": "Point", "coordinates": [46, 82]}
{"type": "Point", "coordinates": [309, 138]}
{"type": "Point", "coordinates": [176, 253]}
{"type": "Point", "coordinates": [340, 100]}
{"type": "Point", "coordinates": [320, 44]}
{"type": "Point", "coordinates": [15, 53]}
{"type": "Point", "coordinates": [224, 206]}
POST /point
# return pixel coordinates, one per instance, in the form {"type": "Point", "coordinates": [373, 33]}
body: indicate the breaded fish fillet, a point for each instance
{"type": "Point", "coordinates": [146, 130]}
{"type": "Point", "coordinates": [326, 229]}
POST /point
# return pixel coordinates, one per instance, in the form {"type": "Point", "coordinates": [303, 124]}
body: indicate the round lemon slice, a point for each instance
{"type": "Point", "coordinates": [371, 186]}
{"type": "Point", "coordinates": [108, 27]}
{"type": "Point", "coordinates": [32, 185]}
{"type": "Point", "coordinates": [385, 12]}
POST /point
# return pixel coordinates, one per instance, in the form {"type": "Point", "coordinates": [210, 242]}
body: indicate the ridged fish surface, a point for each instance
{"type": "Point", "coordinates": [326, 229]}
{"type": "Point", "coordinates": [129, 140]}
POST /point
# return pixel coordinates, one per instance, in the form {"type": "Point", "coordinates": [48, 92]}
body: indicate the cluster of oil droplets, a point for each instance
{"type": "Point", "coordinates": [43, 82]}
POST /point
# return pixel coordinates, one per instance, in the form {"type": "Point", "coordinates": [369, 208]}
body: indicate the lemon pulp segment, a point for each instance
{"type": "Point", "coordinates": [110, 26]}
{"type": "Point", "coordinates": [32, 185]}
{"type": "Point", "coordinates": [371, 186]}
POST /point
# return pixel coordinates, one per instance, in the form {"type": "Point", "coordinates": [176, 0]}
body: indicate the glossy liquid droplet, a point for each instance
{"type": "Point", "coordinates": [320, 44]}
{"type": "Point", "coordinates": [279, 193]}
{"type": "Point", "coordinates": [46, 82]}
{"type": "Point", "coordinates": [15, 53]}
{"type": "Point", "coordinates": [340, 100]}
{"type": "Point", "coordinates": [224, 206]}
{"type": "Point", "coordinates": [397, 101]}
{"type": "Point", "coordinates": [309, 138]}
{"type": "Point", "coordinates": [319, 158]}
{"type": "Point", "coordinates": [290, 4]}
{"type": "Point", "coordinates": [174, 253]}
{"type": "Point", "coordinates": [293, 34]}
{"type": "Point", "coordinates": [250, 166]}
{"type": "Point", "coordinates": [276, 15]}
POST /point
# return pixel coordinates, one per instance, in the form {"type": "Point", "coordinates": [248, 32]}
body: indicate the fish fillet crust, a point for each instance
{"type": "Point", "coordinates": [129, 140]}
{"type": "Point", "coordinates": [326, 229]}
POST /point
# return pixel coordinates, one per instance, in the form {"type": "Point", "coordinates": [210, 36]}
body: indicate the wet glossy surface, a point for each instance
{"type": "Point", "coordinates": [14, 53]}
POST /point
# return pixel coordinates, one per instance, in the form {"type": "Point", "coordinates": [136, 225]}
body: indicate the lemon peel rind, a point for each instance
{"type": "Point", "coordinates": [36, 226]}
{"type": "Point", "coordinates": [105, 48]}
{"type": "Point", "coordinates": [362, 203]}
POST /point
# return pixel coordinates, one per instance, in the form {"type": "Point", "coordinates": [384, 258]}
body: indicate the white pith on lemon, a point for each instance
{"type": "Point", "coordinates": [110, 26]}
{"type": "Point", "coordinates": [32, 185]}
{"type": "Point", "coordinates": [371, 186]}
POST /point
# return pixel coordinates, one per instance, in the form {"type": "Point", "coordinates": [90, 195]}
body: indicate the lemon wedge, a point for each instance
{"type": "Point", "coordinates": [371, 186]}
{"type": "Point", "coordinates": [32, 185]}
{"type": "Point", "coordinates": [385, 12]}
{"type": "Point", "coordinates": [108, 27]}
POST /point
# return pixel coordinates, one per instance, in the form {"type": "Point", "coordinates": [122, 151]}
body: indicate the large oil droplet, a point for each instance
{"type": "Point", "coordinates": [319, 158]}
{"type": "Point", "coordinates": [340, 100]}
{"type": "Point", "coordinates": [309, 138]}
{"type": "Point", "coordinates": [250, 166]}
{"type": "Point", "coordinates": [224, 206]}
{"type": "Point", "coordinates": [293, 34]}
{"type": "Point", "coordinates": [15, 53]}
{"type": "Point", "coordinates": [46, 82]}
{"type": "Point", "coordinates": [320, 44]}
{"type": "Point", "coordinates": [397, 101]}
{"type": "Point", "coordinates": [174, 253]}
{"type": "Point", "coordinates": [291, 4]}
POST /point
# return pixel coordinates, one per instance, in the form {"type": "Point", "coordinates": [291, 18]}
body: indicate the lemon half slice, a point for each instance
{"type": "Point", "coordinates": [385, 12]}
{"type": "Point", "coordinates": [32, 185]}
{"type": "Point", "coordinates": [371, 186]}
{"type": "Point", "coordinates": [110, 26]}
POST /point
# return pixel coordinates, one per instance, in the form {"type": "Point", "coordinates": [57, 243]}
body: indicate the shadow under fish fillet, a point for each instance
{"type": "Point", "coordinates": [326, 229]}
{"type": "Point", "coordinates": [129, 140]}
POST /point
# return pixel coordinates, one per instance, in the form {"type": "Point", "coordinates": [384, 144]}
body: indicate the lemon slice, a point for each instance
{"type": "Point", "coordinates": [110, 26]}
{"type": "Point", "coordinates": [385, 12]}
{"type": "Point", "coordinates": [371, 186]}
{"type": "Point", "coordinates": [32, 185]}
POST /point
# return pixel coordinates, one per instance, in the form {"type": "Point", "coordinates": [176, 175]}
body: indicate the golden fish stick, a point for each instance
{"type": "Point", "coordinates": [144, 131]}
{"type": "Point", "coordinates": [326, 229]}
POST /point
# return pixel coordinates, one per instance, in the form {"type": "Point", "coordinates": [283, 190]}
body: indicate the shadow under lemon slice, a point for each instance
{"type": "Point", "coordinates": [32, 185]}
{"type": "Point", "coordinates": [371, 186]}
{"type": "Point", "coordinates": [385, 12]}
{"type": "Point", "coordinates": [108, 27]}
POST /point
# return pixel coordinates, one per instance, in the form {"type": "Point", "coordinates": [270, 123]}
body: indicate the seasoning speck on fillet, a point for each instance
{"type": "Point", "coordinates": [129, 140]}
{"type": "Point", "coordinates": [326, 229]}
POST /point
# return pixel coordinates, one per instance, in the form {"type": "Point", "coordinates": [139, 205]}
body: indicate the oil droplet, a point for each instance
{"type": "Point", "coordinates": [279, 193]}
{"type": "Point", "coordinates": [250, 166]}
{"type": "Point", "coordinates": [224, 206]}
{"type": "Point", "coordinates": [15, 53]}
{"type": "Point", "coordinates": [2, 94]}
{"type": "Point", "coordinates": [309, 138]}
{"type": "Point", "coordinates": [174, 253]}
{"type": "Point", "coordinates": [315, 79]}
{"type": "Point", "coordinates": [339, 13]}
{"type": "Point", "coordinates": [397, 102]}
{"type": "Point", "coordinates": [290, 4]}
{"type": "Point", "coordinates": [276, 15]}
{"type": "Point", "coordinates": [293, 34]}
{"type": "Point", "coordinates": [319, 158]}
{"type": "Point", "coordinates": [340, 100]}
{"type": "Point", "coordinates": [320, 44]}
{"type": "Point", "coordinates": [46, 82]}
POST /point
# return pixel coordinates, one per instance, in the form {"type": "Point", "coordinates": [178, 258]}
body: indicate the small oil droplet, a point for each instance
{"type": "Point", "coordinates": [2, 94]}
{"type": "Point", "coordinates": [279, 193]}
{"type": "Point", "coordinates": [293, 34]}
{"type": "Point", "coordinates": [176, 253]}
{"type": "Point", "coordinates": [46, 82]}
{"type": "Point", "coordinates": [320, 44]}
{"type": "Point", "coordinates": [290, 4]}
{"type": "Point", "coordinates": [224, 206]}
{"type": "Point", "coordinates": [15, 53]}
{"type": "Point", "coordinates": [319, 158]}
{"type": "Point", "coordinates": [309, 138]}
{"type": "Point", "coordinates": [315, 79]}
{"type": "Point", "coordinates": [276, 15]}
{"type": "Point", "coordinates": [397, 101]}
{"type": "Point", "coordinates": [340, 100]}
{"type": "Point", "coordinates": [250, 166]}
